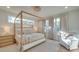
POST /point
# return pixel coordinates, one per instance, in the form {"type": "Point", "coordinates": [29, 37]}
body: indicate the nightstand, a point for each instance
{"type": "Point", "coordinates": [6, 40]}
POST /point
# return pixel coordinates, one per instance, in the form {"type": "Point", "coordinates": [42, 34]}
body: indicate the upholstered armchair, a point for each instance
{"type": "Point", "coordinates": [69, 41]}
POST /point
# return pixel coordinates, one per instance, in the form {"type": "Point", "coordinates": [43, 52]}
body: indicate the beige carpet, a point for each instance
{"type": "Point", "coordinates": [48, 46]}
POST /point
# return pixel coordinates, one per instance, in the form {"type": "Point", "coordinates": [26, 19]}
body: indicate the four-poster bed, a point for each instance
{"type": "Point", "coordinates": [26, 41]}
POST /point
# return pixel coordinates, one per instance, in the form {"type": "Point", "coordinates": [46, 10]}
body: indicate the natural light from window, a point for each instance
{"type": "Point", "coordinates": [25, 21]}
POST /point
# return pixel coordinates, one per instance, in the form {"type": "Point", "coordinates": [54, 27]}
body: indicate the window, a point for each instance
{"type": "Point", "coordinates": [11, 19]}
{"type": "Point", "coordinates": [25, 21]}
{"type": "Point", "coordinates": [28, 21]}
{"type": "Point", "coordinates": [47, 27]}
{"type": "Point", "coordinates": [47, 23]}
{"type": "Point", "coordinates": [57, 24]}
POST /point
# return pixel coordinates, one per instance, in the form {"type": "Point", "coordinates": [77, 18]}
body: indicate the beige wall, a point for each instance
{"type": "Point", "coordinates": [74, 21]}
{"type": "Point", "coordinates": [4, 25]}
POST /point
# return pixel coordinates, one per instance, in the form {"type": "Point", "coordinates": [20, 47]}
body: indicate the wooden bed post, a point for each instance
{"type": "Point", "coordinates": [14, 29]}
{"type": "Point", "coordinates": [21, 32]}
{"type": "Point", "coordinates": [15, 25]}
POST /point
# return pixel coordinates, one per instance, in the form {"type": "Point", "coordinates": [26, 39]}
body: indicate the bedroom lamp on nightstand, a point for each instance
{"type": "Point", "coordinates": [6, 29]}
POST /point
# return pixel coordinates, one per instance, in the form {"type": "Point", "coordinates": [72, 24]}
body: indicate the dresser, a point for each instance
{"type": "Point", "coordinates": [6, 40]}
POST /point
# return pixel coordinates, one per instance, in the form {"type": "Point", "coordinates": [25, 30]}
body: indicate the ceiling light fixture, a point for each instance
{"type": "Point", "coordinates": [8, 6]}
{"type": "Point", "coordinates": [66, 7]}
{"type": "Point", "coordinates": [36, 8]}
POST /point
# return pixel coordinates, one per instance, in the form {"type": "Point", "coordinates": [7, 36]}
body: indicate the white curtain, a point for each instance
{"type": "Point", "coordinates": [51, 24]}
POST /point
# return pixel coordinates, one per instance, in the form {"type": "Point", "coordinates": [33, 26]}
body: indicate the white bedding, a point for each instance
{"type": "Point", "coordinates": [27, 38]}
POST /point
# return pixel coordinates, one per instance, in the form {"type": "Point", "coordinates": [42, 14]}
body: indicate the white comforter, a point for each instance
{"type": "Point", "coordinates": [29, 38]}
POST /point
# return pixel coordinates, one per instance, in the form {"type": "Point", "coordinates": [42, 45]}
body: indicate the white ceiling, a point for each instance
{"type": "Point", "coordinates": [45, 10]}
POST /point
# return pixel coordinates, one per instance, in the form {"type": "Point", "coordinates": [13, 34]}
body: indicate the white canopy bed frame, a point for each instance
{"type": "Point", "coordinates": [21, 46]}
